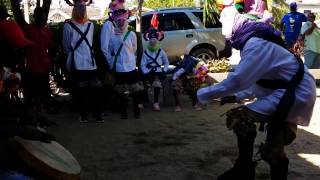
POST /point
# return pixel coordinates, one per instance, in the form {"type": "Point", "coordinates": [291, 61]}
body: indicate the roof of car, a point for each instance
{"type": "Point", "coordinates": [179, 8]}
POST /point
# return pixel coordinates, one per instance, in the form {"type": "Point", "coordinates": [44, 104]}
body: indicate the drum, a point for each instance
{"type": "Point", "coordinates": [50, 159]}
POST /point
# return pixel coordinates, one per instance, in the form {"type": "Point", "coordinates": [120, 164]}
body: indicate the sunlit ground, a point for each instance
{"type": "Point", "coordinates": [313, 128]}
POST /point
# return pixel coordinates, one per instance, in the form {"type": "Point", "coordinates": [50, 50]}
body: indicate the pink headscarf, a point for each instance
{"type": "Point", "coordinates": [120, 14]}
{"type": "Point", "coordinates": [116, 4]}
{"type": "Point", "coordinates": [120, 17]}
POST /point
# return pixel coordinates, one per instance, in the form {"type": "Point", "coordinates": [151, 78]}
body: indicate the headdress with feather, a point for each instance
{"type": "Point", "coordinates": [153, 30]}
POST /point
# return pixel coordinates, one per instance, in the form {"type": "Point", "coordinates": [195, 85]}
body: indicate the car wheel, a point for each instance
{"type": "Point", "coordinates": [204, 54]}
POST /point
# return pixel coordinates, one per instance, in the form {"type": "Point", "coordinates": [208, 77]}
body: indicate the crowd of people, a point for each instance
{"type": "Point", "coordinates": [270, 73]}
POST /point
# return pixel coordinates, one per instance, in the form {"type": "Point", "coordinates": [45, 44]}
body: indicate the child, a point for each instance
{"type": "Point", "coordinates": [190, 75]}
{"type": "Point", "coordinates": [154, 63]}
{"type": "Point", "coordinates": [39, 60]}
{"type": "Point", "coordinates": [122, 62]}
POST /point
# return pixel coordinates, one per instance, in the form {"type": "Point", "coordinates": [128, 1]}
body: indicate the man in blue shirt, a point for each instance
{"type": "Point", "coordinates": [291, 24]}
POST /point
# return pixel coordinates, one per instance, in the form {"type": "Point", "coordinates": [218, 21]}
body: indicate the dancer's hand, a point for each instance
{"type": "Point", "coordinates": [228, 99]}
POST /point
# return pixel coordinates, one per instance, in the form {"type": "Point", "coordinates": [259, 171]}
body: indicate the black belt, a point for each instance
{"type": "Point", "coordinates": [279, 117]}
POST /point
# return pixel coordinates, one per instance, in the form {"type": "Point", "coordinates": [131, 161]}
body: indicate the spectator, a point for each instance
{"type": "Point", "coordinates": [189, 75]}
{"type": "Point", "coordinates": [291, 25]}
{"type": "Point", "coordinates": [122, 62]}
{"type": "Point", "coordinates": [38, 60]}
{"type": "Point", "coordinates": [77, 42]}
{"type": "Point", "coordinates": [310, 33]}
{"type": "Point", "coordinates": [15, 120]}
{"type": "Point", "coordinates": [154, 64]}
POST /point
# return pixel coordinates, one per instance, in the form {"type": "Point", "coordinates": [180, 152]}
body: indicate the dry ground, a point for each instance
{"type": "Point", "coordinates": [166, 145]}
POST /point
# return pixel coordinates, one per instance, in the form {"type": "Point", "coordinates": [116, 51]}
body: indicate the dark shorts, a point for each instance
{"type": "Point", "coordinates": [126, 77]}
{"type": "Point", "coordinates": [85, 78]}
{"type": "Point", "coordinates": [286, 135]}
{"type": "Point", "coordinates": [38, 85]}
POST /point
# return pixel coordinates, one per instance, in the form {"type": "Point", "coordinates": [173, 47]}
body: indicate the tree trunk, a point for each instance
{"type": "Point", "coordinates": [138, 33]}
{"type": "Point", "coordinates": [46, 6]}
{"type": "Point", "coordinates": [18, 16]}
{"type": "Point", "coordinates": [26, 11]}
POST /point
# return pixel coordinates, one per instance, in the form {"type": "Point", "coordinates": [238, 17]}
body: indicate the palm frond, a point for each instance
{"type": "Point", "coordinates": [209, 7]}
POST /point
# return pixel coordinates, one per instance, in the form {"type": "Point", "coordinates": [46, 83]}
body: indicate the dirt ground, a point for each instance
{"type": "Point", "coordinates": [166, 145]}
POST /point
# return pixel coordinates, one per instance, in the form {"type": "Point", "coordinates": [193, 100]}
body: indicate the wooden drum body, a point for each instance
{"type": "Point", "coordinates": [50, 159]}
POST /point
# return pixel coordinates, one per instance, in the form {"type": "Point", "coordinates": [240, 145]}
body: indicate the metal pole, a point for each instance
{"type": "Point", "coordinates": [138, 16]}
{"type": "Point", "coordinates": [26, 11]}
{"type": "Point", "coordinates": [138, 32]}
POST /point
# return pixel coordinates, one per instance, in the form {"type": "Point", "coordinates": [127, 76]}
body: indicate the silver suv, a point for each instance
{"type": "Point", "coordinates": [185, 33]}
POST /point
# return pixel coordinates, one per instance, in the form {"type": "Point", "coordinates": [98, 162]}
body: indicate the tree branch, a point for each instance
{"type": "Point", "coordinates": [18, 16]}
{"type": "Point", "coordinates": [46, 6]}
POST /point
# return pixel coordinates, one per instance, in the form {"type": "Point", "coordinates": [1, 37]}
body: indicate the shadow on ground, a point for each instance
{"type": "Point", "coordinates": [188, 145]}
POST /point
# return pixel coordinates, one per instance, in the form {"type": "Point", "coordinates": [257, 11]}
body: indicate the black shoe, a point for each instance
{"type": "Point", "coordinates": [99, 119]}
{"type": "Point", "coordinates": [239, 171]}
{"type": "Point", "coordinates": [83, 119]}
{"type": "Point", "coordinates": [279, 170]}
{"type": "Point", "coordinates": [136, 116]}
{"type": "Point", "coordinates": [124, 116]}
{"type": "Point", "coordinates": [136, 112]}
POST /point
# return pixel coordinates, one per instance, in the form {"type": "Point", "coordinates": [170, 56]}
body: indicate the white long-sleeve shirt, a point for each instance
{"type": "Point", "coordinates": [162, 60]}
{"type": "Point", "coordinates": [82, 55]}
{"type": "Point", "coordinates": [126, 60]}
{"type": "Point", "coordinates": [261, 59]}
{"type": "Point", "coordinates": [106, 31]}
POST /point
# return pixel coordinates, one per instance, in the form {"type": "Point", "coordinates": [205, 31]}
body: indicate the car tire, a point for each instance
{"type": "Point", "coordinates": [204, 54]}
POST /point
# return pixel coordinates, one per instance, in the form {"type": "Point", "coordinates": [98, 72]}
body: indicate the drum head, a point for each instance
{"type": "Point", "coordinates": [51, 159]}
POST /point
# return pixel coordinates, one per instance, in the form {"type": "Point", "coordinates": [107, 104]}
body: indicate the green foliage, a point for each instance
{"type": "Point", "coordinates": [7, 4]}
{"type": "Point", "coordinates": [156, 4]}
{"type": "Point", "coordinates": [209, 6]}
{"type": "Point", "coordinates": [278, 11]}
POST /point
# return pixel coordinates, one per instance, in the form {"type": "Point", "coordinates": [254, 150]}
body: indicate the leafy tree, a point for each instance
{"type": "Point", "coordinates": [278, 11]}
{"type": "Point", "coordinates": [156, 4]}
{"type": "Point", "coordinates": [6, 3]}
{"type": "Point", "coordinates": [209, 6]}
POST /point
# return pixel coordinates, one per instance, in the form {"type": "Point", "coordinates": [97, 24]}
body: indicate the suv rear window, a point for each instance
{"type": "Point", "coordinates": [145, 23]}
{"type": "Point", "coordinates": [174, 21]}
{"type": "Point", "coordinates": [210, 23]}
{"type": "Point", "coordinates": [167, 22]}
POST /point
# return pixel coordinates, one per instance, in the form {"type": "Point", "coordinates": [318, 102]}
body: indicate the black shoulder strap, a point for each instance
{"type": "Point", "coordinates": [154, 59]}
{"type": "Point", "coordinates": [83, 38]}
{"type": "Point", "coordinates": [82, 34]}
{"type": "Point", "coordinates": [118, 52]}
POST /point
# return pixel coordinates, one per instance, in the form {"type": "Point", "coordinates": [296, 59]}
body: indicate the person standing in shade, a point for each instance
{"type": "Point", "coordinates": [154, 64]}
{"type": "Point", "coordinates": [310, 34]}
{"type": "Point", "coordinates": [38, 60]}
{"type": "Point", "coordinates": [291, 25]}
{"type": "Point", "coordinates": [77, 42]}
{"type": "Point", "coordinates": [122, 62]}
{"type": "Point", "coordinates": [15, 118]}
